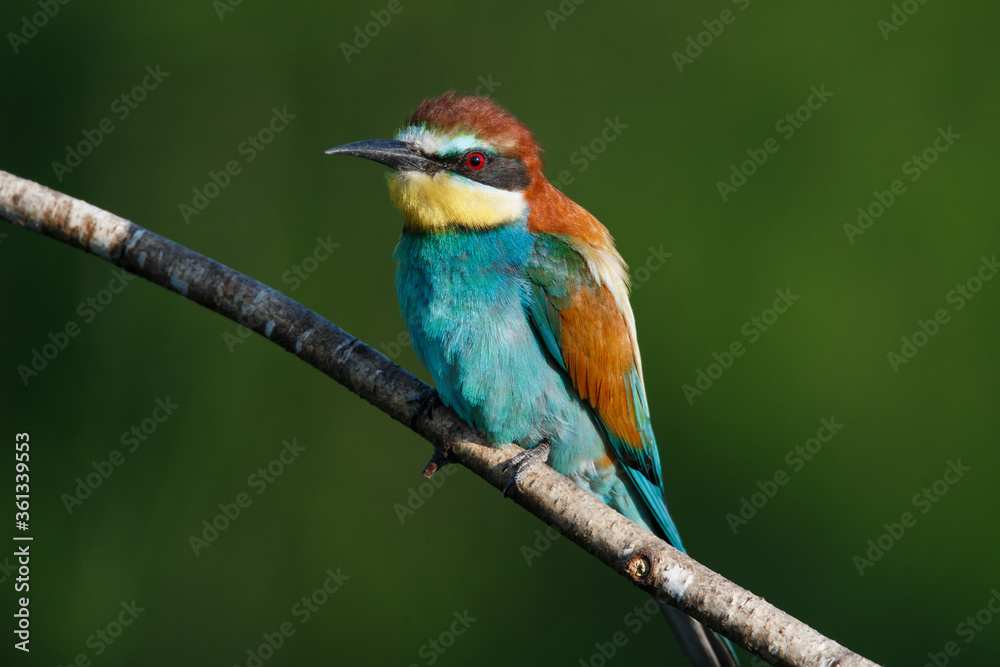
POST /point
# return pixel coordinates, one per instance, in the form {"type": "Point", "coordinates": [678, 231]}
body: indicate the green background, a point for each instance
{"type": "Point", "coordinates": [654, 186]}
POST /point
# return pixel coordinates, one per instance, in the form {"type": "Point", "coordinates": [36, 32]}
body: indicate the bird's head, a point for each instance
{"type": "Point", "coordinates": [460, 162]}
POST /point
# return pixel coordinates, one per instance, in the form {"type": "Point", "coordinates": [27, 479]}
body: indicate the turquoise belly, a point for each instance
{"type": "Point", "coordinates": [463, 296]}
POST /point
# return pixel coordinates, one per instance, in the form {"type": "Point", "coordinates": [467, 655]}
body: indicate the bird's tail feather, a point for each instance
{"type": "Point", "coordinates": [700, 645]}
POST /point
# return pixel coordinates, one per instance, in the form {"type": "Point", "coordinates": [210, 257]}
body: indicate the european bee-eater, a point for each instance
{"type": "Point", "coordinates": [516, 301]}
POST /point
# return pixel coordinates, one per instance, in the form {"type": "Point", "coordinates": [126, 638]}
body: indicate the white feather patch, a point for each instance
{"type": "Point", "coordinates": [433, 143]}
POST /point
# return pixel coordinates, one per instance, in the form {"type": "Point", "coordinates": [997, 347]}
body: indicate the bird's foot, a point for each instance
{"type": "Point", "coordinates": [426, 401]}
{"type": "Point", "coordinates": [522, 463]}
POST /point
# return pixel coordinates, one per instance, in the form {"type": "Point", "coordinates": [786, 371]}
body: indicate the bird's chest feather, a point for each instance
{"type": "Point", "coordinates": [463, 296]}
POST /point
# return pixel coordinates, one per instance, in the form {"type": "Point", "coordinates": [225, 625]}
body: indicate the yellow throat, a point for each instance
{"type": "Point", "coordinates": [443, 200]}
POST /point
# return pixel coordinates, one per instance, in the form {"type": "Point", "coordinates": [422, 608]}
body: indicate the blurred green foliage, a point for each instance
{"type": "Point", "coordinates": [223, 76]}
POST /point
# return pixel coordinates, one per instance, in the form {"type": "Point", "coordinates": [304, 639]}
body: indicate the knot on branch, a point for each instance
{"type": "Point", "coordinates": [639, 566]}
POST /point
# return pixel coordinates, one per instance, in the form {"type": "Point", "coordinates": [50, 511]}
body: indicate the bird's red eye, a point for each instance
{"type": "Point", "coordinates": [475, 160]}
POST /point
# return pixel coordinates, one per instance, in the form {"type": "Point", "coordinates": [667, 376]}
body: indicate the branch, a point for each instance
{"type": "Point", "coordinates": [635, 553]}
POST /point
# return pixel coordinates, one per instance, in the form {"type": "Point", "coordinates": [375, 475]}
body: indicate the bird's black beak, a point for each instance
{"type": "Point", "coordinates": [399, 155]}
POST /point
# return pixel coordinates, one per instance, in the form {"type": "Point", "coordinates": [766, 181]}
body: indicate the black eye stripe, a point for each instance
{"type": "Point", "coordinates": [499, 171]}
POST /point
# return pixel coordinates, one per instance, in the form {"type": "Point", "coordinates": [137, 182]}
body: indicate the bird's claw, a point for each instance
{"type": "Point", "coordinates": [426, 401]}
{"type": "Point", "coordinates": [522, 463]}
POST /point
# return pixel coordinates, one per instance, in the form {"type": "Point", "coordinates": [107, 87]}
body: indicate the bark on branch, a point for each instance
{"type": "Point", "coordinates": [635, 553]}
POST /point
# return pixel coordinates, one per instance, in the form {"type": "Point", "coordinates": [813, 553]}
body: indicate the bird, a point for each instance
{"type": "Point", "coordinates": [517, 303]}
